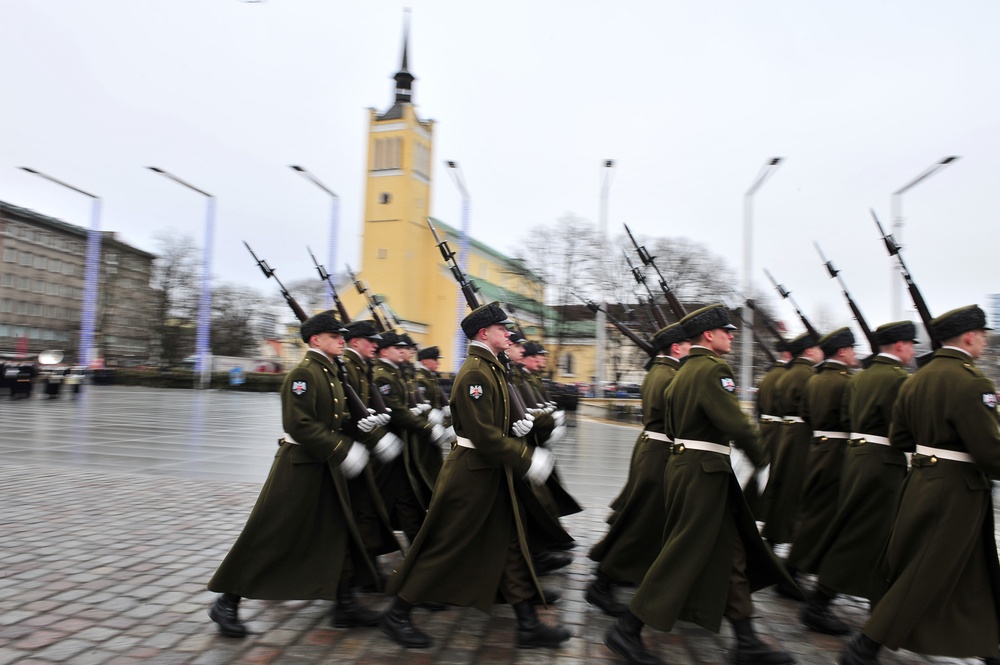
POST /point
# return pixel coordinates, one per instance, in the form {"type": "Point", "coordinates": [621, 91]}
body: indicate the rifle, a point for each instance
{"type": "Point", "coordinates": [648, 311]}
{"type": "Point", "coordinates": [324, 276]}
{"type": "Point", "coordinates": [370, 300]}
{"type": "Point", "coordinates": [469, 288]}
{"type": "Point", "coordinates": [661, 320]}
{"type": "Point", "coordinates": [625, 330]}
{"type": "Point", "coordinates": [756, 337]}
{"type": "Point", "coordinates": [647, 260]}
{"type": "Point", "coordinates": [858, 316]}
{"type": "Point", "coordinates": [518, 411]}
{"type": "Point", "coordinates": [356, 407]}
{"type": "Point", "coordinates": [787, 295]}
{"type": "Point", "coordinates": [918, 300]}
{"type": "Point", "coordinates": [768, 323]}
{"type": "Point", "coordinates": [268, 273]}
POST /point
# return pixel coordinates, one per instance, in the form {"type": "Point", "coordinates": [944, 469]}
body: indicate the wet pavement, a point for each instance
{"type": "Point", "coordinates": [115, 509]}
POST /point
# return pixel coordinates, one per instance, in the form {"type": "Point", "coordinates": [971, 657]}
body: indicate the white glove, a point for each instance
{"type": "Point", "coordinates": [437, 432]}
{"type": "Point", "coordinates": [552, 406]}
{"type": "Point", "coordinates": [557, 434]}
{"type": "Point", "coordinates": [368, 423]}
{"type": "Point", "coordinates": [354, 463]}
{"type": "Point", "coordinates": [447, 410]}
{"type": "Point", "coordinates": [416, 410]}
{"type": "Point", "coordinates": [384, 418]}
{"type": "Point", "coordinates": [560, 417]}
{"type": "Point", "coordinates": [424, 407]}
{"type": "Point", "coordinates": [435, 417]}
{"type": "Point", "coordinates": [541, 466]}
{"type": "Point", "coordinates": [388, 447]}
{"type": "Point", "coordinates": [449, 435]}
{"type": "Point", "coordinates": [521, 427]}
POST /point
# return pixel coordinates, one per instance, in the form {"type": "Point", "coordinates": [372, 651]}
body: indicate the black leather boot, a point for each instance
{"type": "Point", "coordinates": [349, 613]}
{"type": "Point", "coordinates": [397, 625]}
{"type": "Point", "coordinates": [789, 591]}
{"type": "Point", "coordinates": [625, 639]}
{"type": "Point", "coordinates": [860, 651]}
{"type": "Point", "coordinates": [818, 617]}
{"type": "Point", "coordinates": [225, 614]}
{"type": "Point", "coordinates": [532, 633]}
{"type": "Point", "coordinates": [750, 650]}
{"type": "Point", "coordinates": [546, 562]}
{"type": "Point", "coordinates": [601, 594]}
{"type": "Point", "coordinates": [991, 661]}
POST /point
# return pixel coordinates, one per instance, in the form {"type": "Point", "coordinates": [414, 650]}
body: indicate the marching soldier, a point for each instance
{"type": "Point", "coordinates": [788, 458]}
{"type": "Point", "coordinates": [301, 542]}
{"type": "Point", "coordinates": [712, 556]}
{"type": "Point", "coordinates": [873, 473]}
{"type": "Point", "coordinates": [941, 559]}
{"type": "Point", "coordinates": [823, 409]}
{"type": "Point", "coordinates": [473, 545]}
{"type": "Point", "coordinates": [635, 537]}
{"type": "Point", "coordinates": [768, 421]}
{"type": "Point", "coordinates": [428, 386]}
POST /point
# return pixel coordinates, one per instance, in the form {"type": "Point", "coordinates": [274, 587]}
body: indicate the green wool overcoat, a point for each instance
{"type": "Point", "coordinates": [941, 559]}
{"type": "Point", "coordinates": [301, 531]}
{"type": "Point", "coordinates": [635, 536]}
{"type": "Point", "coordinates": [770, 430]}
{"type": "Point", "coordinates": [780, 500]}
{"type": "Point", "coordinates": [458, 556]}
{"type": "Point", "coordinates": [851, 547]}
{"type": "Point", "coordinates": [706, 511]}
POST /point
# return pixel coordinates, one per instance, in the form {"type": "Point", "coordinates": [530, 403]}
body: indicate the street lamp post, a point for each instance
{"type": "Point", "coordinates": [461, 342]}
{"type": "Point", "coordinates": [90, 272]}
{"type": "Point", "coordinates": [895, 283]}
{"type": "Point", "coordinates": [204, 330]}
{"type": "Point", "coordinates": [331, 257]}
{"type": "Point", "coordinates": [600, 339]}
{"type": "Point", "coordinates": [746, 343]}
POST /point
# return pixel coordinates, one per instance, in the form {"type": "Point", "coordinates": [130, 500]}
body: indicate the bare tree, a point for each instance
{"type": "Point", "coordinates": [233, 309]}
{"type": "Point", "coordinates": [175, 274]}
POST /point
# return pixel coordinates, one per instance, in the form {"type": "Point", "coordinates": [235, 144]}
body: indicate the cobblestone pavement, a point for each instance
{"type": "Point", "coordinates": [115, 510]}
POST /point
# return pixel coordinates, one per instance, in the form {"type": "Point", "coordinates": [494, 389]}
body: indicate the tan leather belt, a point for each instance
{"type": "Point", "coordinates": [657, 436]}
{"type": "Point", "coordinates": [465, 443]}
{"type": "Point", "coordinates": [870, 438]}
{"type": "Point", "coordinates": [940, 453]}
{"type": "Point", "coordinates": [788, 420]}
{"type": "Point", "coordinates": [824, 434]}
{"type": "Point", "coordinates": [680, 445]}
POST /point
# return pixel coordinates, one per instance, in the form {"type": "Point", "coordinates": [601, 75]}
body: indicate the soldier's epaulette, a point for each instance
{"type": "Point", "coordinates": [975, 371]}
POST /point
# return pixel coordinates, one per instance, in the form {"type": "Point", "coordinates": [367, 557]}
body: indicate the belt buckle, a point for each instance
{"type": "Point", "coordinates": [677, 448]}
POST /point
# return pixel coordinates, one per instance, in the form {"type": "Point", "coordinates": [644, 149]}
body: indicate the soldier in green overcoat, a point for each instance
{"type": "Point", "coordinates": [301, 542]}
{"type": "Point", "coordinates": [780, 500]}
{"type": "Point", "coordinates": [712, 556]}
{"type": "Point", "coordinates": [768, 421]}
{"type": "Point", "coordinates": [473, 544]}
{"type": "Point", "coordinates": [873, 473]}
{"type": "Point", "coordinates": [427, 384]}
{"type": "Point", "coordinates": [823, 411]}
{"type": "Point", "coordinates": [940, 563]}
{"type": "Point", "coordinates": [635, 537]}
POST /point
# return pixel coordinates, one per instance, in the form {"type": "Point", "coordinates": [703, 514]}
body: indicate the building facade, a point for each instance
{"type": "Point", "coordinates": [41, 290]}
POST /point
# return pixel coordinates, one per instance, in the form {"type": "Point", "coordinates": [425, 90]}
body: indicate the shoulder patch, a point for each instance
{"type": "Point", "coordinates": [476, 391]}
{"type": "Point", "coordinates": [728, 384]}
{"type": "Point", "coordinates": [990, 400]}
{"type": "Point", "coordinates": [299, 387]}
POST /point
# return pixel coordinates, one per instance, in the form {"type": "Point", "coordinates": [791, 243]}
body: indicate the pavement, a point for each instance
{"type": "Point", "coordinates": [116, 508]}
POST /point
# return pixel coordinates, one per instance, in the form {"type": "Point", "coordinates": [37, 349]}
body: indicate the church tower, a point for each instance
{"type": "Point", "coordinates": [398, 251]}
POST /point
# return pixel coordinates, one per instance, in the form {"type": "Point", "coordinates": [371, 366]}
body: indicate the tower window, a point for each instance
{"type": "Point", "coordinates": [383, 253]}
{"type": "Point", "coordinates": [384, 197]}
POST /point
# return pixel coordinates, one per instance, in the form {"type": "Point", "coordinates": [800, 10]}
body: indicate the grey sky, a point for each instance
{"type": "Point", "coordinates": [689, 98]}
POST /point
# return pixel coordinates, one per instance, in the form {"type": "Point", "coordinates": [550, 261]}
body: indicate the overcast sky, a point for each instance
{"type": "Point", "coordinates": [689, 98]}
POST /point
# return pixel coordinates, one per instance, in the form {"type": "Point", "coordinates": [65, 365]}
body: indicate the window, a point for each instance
{"type": "Point", "coordinates": [55, 265]}
{"type": "Point", "coordinates": [5, 305]}
{"type": "Point", "coordinates": [385, 197]}
{"type": "Point", "coordinates": [7, 280]}
{"type": "Point", "coordinates": [41, 262]}
{"type": "Point", "coordinates": [9, 254]}
{"type": "Point", "coordinates": [24, 283]}
{"type": "Point", "coordinates": [383, 253]}
{"type": "Point", "coordinates": [25, 258]}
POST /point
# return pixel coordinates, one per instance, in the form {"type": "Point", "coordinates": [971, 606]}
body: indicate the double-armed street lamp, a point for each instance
{"type": "Point", "coordinates": [331, 257]}
{"type": "Point", "coordinates": [90, 271]}
{"type": "Point", "coordinates": [204, 329]}
{"type": "Point", "coordinates": [746, 343]}
{"type": "Point", "coordinates": [460, 342]}
{"type": "Point", "coordinates": [895, 283]}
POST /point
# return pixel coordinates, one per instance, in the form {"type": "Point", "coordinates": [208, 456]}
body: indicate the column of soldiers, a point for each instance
{"type": "Point", "coordinates": [484, 524]}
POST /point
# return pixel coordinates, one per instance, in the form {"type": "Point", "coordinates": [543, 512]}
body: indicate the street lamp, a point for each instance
{"type": "Point", "coordinates": [460, 344]}
{"type": "Point", "coordinates": [600, 340]}
{"type": "Point", "coordinates": [90, 271]}
{"type": "Point", "coordinates": [895, 283]}
{"type": "Point", "coordinates": [746, 348]}
{"type": "Point", "coordinates": [201, 345]}
{"type": "Point", "coordinates": [331, 256]}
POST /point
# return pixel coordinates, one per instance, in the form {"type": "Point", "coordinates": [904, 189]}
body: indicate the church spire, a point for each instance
{"type": "Point", "coordinates": [404, 79]}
